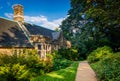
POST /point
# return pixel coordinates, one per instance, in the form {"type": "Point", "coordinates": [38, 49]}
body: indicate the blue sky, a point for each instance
{"type": "Point", "coordinates": [48, 13]}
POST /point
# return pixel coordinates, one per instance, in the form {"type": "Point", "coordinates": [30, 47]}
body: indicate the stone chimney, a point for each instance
{"type": "Point", "coordinates": [18, 13]}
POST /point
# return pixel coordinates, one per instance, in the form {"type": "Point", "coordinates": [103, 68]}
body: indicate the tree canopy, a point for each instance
{"type": "Point", "coordinates": [93, 23]}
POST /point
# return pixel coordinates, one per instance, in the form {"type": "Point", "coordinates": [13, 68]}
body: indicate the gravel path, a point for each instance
{"type": "Point", "coordinates": [85, 72]}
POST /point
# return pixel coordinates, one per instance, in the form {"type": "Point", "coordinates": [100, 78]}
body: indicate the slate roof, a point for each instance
{"type": "Point", "coordinates": [11, 35]}
{"type": "Point", "coordinates": [38, 30]}
{"type": "Point", "coordinates": [56, 35]}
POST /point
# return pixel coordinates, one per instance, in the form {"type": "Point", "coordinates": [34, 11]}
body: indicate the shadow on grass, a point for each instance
{"type": "Point", "coordinates": [67, 74]}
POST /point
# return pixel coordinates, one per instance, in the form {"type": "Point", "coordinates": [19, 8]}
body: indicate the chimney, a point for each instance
{"type": "Point", "coordinates": [18, 13]}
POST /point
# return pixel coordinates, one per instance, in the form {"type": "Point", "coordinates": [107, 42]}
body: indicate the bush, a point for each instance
{"type": "Point", "coordinates": [24, 66]}
{"type": "Point", "coordinates": [41, 68]}
{"type": "Point", "coordinates": [14, 72]}
{"type": "Point", "coordinates": [58, 62]}
{"type": "Point", "coordinates": [70, 53]}
{"type": "Point", "coordinates": [108, 69]}
{"type": "Point", "coordinates": [29, 59]}
{"type": "Point", "coordinates": [61, 63]}
{"type": "Point", "coordinates": [99, 54]}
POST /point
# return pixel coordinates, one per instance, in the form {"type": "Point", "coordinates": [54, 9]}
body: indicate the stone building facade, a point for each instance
{"type": "Point", "coordinates": [19, 34]}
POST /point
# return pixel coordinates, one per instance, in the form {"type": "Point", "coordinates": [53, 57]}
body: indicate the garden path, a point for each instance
{"type": "Point", "coordinates": [85, 72]}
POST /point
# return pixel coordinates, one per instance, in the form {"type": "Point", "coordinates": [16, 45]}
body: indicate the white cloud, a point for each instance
{"type": "Point", "coordinates": [9, 15]}
{"type": "Point", "coordinates": [58, 21]}
{"type": "Point", "coordinates": [40, 20]}
{"type": "Point", "coordinates": [35, 19]}
{"type": "Point", "coordinates": [53, 24]}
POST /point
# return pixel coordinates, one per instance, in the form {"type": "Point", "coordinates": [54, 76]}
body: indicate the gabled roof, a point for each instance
{"type": "Point", "coordinates": [11, 35]}
{"type": "Point", "coordinates": [38, 30]}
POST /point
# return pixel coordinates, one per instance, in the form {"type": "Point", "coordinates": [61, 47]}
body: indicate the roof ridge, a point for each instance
{"type": "Point", "coordinates": [43, 27]}
{"type": "Point", "coordinates": [7, 19]}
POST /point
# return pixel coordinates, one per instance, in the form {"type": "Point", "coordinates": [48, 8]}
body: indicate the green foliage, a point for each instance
{"type": "Point", "coordinates": [105, 17]}
{"type": "Point", "coordinates": [70, 53]}
{"type": "Point", "coordinates": [14, 72]}
{"type": "Point", "coordinates": [61, 63]}
{"type": "Point", "coordinates": [67, 74]}
{"type": "Point", "coordinates": [105, 63]}
{"type": "Point", "coordinates": [108, 69]}
{"type": "Point", "coordinates": [57, 62]}
{"type": "Point", "coordinates": [92, 24]}
{"type": "Point", "coordinates": [23, 64]}
{"type": "Point", "coordinates": [26, 65]}
{"type": "Point", "coordinates": [41, 67]}
{"type": "Point", "coordinates": [99, 53]}
{"type": "Point", "coordinates": [28, 57]}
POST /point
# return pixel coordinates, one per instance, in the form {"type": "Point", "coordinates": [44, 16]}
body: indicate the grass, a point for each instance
{"type": "Point", "coordinates": [67, 74]}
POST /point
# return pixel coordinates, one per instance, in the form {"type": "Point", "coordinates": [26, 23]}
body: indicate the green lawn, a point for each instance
{"type": "Point", "coordinates": [67, 74]}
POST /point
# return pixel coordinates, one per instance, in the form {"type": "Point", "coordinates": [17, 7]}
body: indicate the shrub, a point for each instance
{"type": "Point", "coordinates": [99, 54]}
{"type": "Point", "coordinates": [28, 57]}
{"type": "Point", "coordinates": [41, 68]}
{"type": "Point", "coordinates": [14, 72]}
{"type": "Point", "coordinates": [24, 66]}
{"type": "Point", "coordinates": [108, 69]}
{"type": "Point", "coordinates": [70, 53]}
{"type": "Point", "coordinates": [61, 63]}
{"type": "Point", "coordinates": [30, 60]}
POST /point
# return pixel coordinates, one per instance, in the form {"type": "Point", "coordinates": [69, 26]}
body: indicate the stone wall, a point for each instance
{"type": "Point", "coordinates": [10, 51]}
{"type": "Point", "coordinates": [43, 49]}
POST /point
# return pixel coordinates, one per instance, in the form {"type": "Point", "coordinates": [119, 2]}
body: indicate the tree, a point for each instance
{"type": "Point", "coordinates": [93, 23]}
{"type": "Point", "coordinates": [105, 16]}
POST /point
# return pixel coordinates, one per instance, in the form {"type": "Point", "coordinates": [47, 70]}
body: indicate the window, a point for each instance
{"type": "Point", "coordinates": [39, 46]}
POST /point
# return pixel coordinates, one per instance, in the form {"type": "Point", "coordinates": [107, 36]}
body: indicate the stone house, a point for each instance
{"type": "Point", "coordinates": [19, 34]}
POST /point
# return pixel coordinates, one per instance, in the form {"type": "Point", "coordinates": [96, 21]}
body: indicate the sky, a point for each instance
{"type": "Point", "coordinates": [46, 13]}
